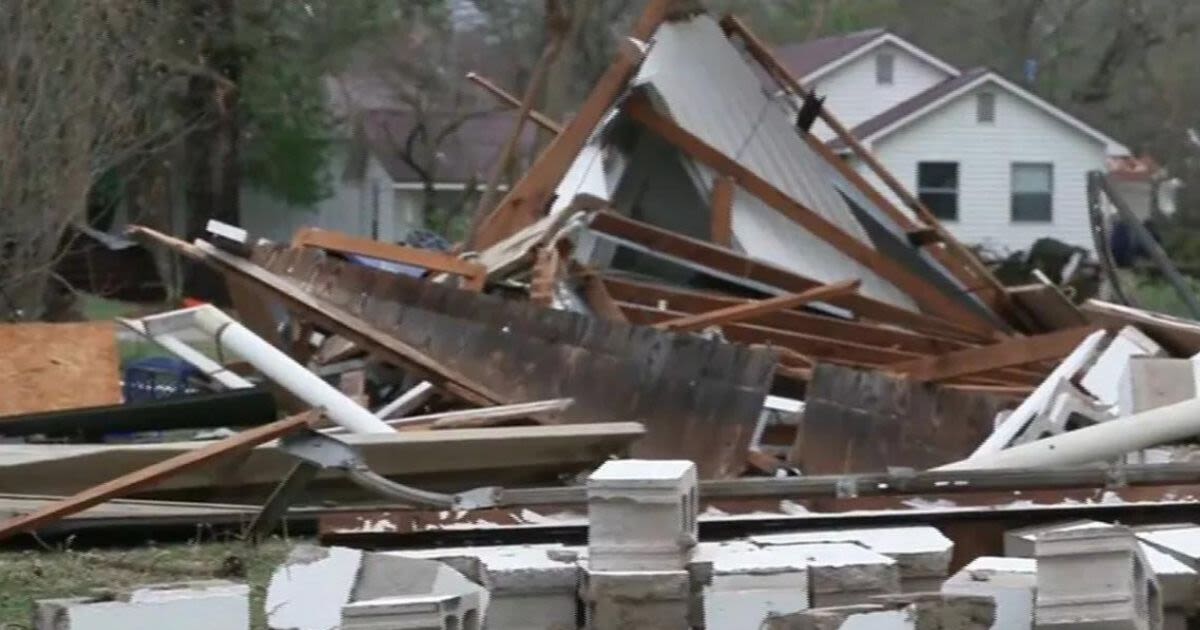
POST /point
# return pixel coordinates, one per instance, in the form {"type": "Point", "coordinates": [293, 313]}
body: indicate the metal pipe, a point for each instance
{"type": "Point", "coordinates": [281, 369]}
{"type": "Point", "coordinates": [1096, 443]}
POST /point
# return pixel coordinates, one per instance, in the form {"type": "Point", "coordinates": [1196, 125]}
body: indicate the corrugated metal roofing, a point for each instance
{"type": "Point", "coordinates": [712, 92]}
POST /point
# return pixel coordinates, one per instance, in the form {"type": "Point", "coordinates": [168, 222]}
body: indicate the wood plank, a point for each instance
{"type": "Point", "coordinates": [1009, 353]}
{"type": "Point", "coordinates": [973, 265]}
{"type": "Point", "coordinates": [546, 271]}
{"type": "Point", "coordinates": [598, 298]}
{"type": "Point", "coordinates": [146, 477]}
{"type": "Point", "coordinates": [747, 310]}
{"type": "Point", "coordinates": [867, 421]}
{"type": "Point", "coordinates": [474, 273]}
{"type": "Point", "coordinates": [927, 296]}
{"type": "Point", "coordinates": [732, 263]}
{"type": "Point", "coordinates": [1047, 306]}
{"type": "Point", "coordinates": [721, 231]}
{"type": "Point", "coordinates": [1180, 336]}
{"type": "Point", "coordinates": [529, 196]}
{"type": "Point", "coordinates": [347, 325]}
{"type": "Point", "coordinates": [51, 367]}
{"type": "Point", "coordinates": [542, 120]}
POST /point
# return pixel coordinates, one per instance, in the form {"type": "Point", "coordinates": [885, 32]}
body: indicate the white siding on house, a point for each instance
{"type": "Point", "coordinates": [985, 154]}
{"type": "Point", "coordinates": [853, 95]}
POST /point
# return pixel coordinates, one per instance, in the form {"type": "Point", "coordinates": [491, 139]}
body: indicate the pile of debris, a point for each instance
{"type": "Point", "coordinates": [684, 275]}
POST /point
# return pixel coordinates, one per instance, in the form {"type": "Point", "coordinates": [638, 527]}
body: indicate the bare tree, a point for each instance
{"type": "Point", "coordinates": [80, 93]}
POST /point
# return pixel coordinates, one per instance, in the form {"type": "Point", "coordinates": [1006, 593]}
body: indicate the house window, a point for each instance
{"type": "Point", "coordinates": [985, 107]}
{"type": "Point", "coordinates": [937, 188]}
{"type": "Point", "coordinates": [1032, 191]}
{"type": "Point", "coordinates": [885, 68]}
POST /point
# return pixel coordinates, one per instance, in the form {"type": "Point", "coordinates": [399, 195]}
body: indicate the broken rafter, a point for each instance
{"type": "Point", "coordinates": [151, 475]}
{"type": "Point", "coordinates": [474, 274]}
{"type": "Point", "coordinates": [725, 262]}
{"type": "Point", "coordinates": [741, 312]}
{"type": "Point", "coordinates": [529, 196]}
{"type": "Point", "coordinates": [929, 297]}
{"type": "Point", "coordinates": [721, 231]}
{"type": "Point", "coordinates": [542, 120]}
{"type": "Point", "coordinates": [1008, 353]}
{"type": "Point", "coordinates": [973, 266]}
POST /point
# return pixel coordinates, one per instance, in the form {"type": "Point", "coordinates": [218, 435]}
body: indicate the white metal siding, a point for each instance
{"type": "Point", "coordinates": [853, 96]}
{"type": "Point", "coordinates": [985, 153]}
{"type": "Point", "coordinates": [711, 91]}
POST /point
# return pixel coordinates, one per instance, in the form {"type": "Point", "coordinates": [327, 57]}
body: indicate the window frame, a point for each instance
{"type": "Point", "coordinates": [879, 67]}
{"type": "Point", "coordinates": [1013, 192]}
{"type": "Point", "coordinates": [923, 190]}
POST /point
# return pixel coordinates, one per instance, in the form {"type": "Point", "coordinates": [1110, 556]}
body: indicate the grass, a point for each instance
{"type": "Point", "coordinates": [26, 576]}
{"type": "Point", "coordinates": [1154, 293]}
{"type": "Point", "coordinates": [95, 307]}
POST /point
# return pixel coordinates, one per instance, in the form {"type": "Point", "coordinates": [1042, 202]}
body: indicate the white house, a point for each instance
{"type": "Point", "coordinates": [999, 165]}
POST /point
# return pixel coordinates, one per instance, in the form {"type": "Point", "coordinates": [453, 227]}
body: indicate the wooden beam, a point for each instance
{"type": "Point", "coordinates": [146, 477]}
{"type": "Point", "coordinates": [1008, 353]}
{"type": "Point", "coordinates": [540, 119]}
{"type": "Point", "coordinates": [474, 274]}
{"type": "Point", "coordinates": [528, 197]}
{"type": "Point", "coordinates": [545, 274]}
{"type": "Point", "coordinates": [721, 204]}
{"type": "Point", "coordinates": [929, 297]}
{"type": "Point", "coordinates": [734, 264]}
{"type": "Point", "coordinates": [747, 310]}
{"type": "Point", "coordinates": [763, 54]}
{"type": "Point", "coordinates": [598, 298]}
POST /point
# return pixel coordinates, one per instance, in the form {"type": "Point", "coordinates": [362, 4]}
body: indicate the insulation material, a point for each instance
{"type": "Point", "coordinates": [49, 367]}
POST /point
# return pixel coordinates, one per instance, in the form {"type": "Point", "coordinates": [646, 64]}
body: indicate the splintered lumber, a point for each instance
{"type": "Point", "coordinates": [51, 367]}
{"type": "Point", "coordinates": [867, 421]}
{"type": "Point", "coordinates": [698, 398]}
{"type": "Point", "coordinates": [487, 416]}
{"type": "Point", "coordinates": [929, 297]}
{"type": "Point", "coordinates": [344, 323]}
{"type": "Point", "coordinates": [546, 270]}
{"type": "Point", "coordinates": [596, 294]}
{"type": "Point", "coordinates": [527, 198]}
{"type": "Point", "coordinates": [473, 273]}
{"type": "Point", "coordinates": [762, 53]}
{"type": "Point", "coordinates": [724, 262]}
{"type": "Point", "coordinates": [721, 231]}
{"type": "Point", "coordinates": [1012, 352]}
{"type": "Point", "coordinates": [521, 453]}
{"type": "Point", "coordinates": [542, 120]}
{"type": "Point", "coordinates": [748, 310]}
{"type": "Point", "coordinates": [151, 475]}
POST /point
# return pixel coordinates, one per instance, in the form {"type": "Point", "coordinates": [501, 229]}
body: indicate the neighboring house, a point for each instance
{"type": "Point", "coordinates": [999, 165]}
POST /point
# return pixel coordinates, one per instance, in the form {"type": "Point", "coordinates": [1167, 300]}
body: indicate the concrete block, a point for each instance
{"type": "Point", "coordinates": [1010, 582]}
{"type": "Point", "coordinates": [1019, 543]}
{"type": "Point", "coordinates": [621, 600]}
{"type": "Point", "coordinates": [856, 617]}
{"type": "Point", "coordinates": [842, 574]}
{"type": "Point", "coordinates": [1095, 578]}
{"type": "Point", "coordinates": [203, 605]}
{"type": "Point", "coordinates": [1149, 383]}
{"type": "Point", "coordinates": [309, 590]}
{"type": "Point", "coordinates": [642, 515]}
{"type": "Point", "coordinates": [412, 612]}
{"type": "Point", "coordinates": [531, 586]}
{"type": "Point", "coordinates": [922, 554]}
{"type": "Point", "coordinates": [1103, 379]}
{"type": "Point", "coordinates": [749, 584]}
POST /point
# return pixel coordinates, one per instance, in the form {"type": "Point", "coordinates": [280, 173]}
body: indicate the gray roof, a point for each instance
{"type": "Point", "coordinates": [803, 58]}
{"type": "Point", "coordinates": [908, 107]}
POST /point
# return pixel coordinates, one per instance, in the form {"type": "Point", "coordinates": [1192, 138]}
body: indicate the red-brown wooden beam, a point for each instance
{"type": "Point", "coordinates": [1008, 353]}
{"type": "Point", "coordinates": [747, 310]}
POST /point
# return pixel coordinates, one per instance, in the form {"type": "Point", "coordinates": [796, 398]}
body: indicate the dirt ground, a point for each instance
{"type": "Point", "coordinates": [26, 576]}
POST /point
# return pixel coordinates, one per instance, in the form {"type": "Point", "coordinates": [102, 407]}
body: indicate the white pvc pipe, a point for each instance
{"type": "Point", "coordinates": [1096, 443]}
{"type": "Point", "coordinates": [292, 376]}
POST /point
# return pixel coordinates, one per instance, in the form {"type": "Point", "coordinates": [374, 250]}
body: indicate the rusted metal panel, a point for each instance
{"type": "Point", "coordinates": [698, 398]}
{"type": "Point", "coordinates": [866, 421]}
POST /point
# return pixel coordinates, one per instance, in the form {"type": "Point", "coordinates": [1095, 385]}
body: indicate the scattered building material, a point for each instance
{"type": "Point", "coordinates": [1179, 336]}
{"type": "Point", "coordinates": [473, 274]}
{"type": "Point", "coordinates": [860, 421]}
{"type": "Point", "coordinates": [234, 408]}
{"type": "Point", "coordinates": [1103, 378]}
{"type": "Point", "coordinates": [200, 605]}
{"type": "Point", "coordinates": [745, 311]}
{"type": "Point", "coordinates": [1009, 353]}
{"type": "Point", "coordinates": [1010, 582]}
{"type": "Point", "coordinates": [51, 367]}
{"type": "Point", "coordinates": [151, 475]}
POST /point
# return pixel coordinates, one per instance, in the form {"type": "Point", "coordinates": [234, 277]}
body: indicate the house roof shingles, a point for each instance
{"type": "Point", "coordinates": [806, 57]}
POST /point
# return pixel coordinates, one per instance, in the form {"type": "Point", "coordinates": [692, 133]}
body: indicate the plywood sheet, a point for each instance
{"type": "Point", "coordinates": [48, 367]}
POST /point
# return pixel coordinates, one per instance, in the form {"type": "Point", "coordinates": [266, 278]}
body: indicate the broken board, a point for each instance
{"type": "Point", "coordinates": [50, 367]}
{"type": "Point", "coordinates": [866, 421]}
